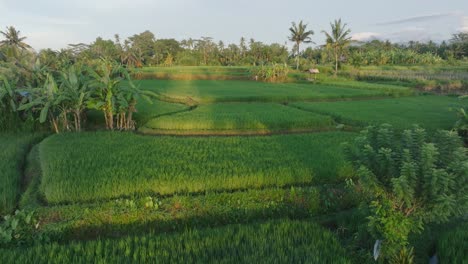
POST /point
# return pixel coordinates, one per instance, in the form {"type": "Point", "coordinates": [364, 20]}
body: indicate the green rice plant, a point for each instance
{"type": "Point", "coordinates": [13, 152]}
{"type": "Point", "coordinates": [451, 246]}
{"type": "Point", "coordinates": [284, 241]}
{"type": "Point", "coordinates": [431, 112]}
{"type": "Point", "coordinates": [203, 91]}
{"type": "Point", "coordinates": [92, 166]}
{"type": "Point", "coordinates": [239, 118]}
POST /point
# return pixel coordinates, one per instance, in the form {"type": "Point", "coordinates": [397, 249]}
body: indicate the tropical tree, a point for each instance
{"type": "Point", "coordinates": [337, 39]}
{"type": "Point", "coordinates": [13, 41]}
{"type": "Point", "coordinates": [74, 86]}
{"type": "Point", "coordinates": [115, 95]}
{"type": "Point", "coordinates": [50, 103]}
{"type": "Point", "coordinates": [299, 34]}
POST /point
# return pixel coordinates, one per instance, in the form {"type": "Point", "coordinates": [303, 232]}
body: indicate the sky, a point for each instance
{"type": "Point", "coordinates": [57, 23]}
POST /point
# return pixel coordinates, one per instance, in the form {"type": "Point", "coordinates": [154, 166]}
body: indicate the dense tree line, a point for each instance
{"type": "Point", "coordinates": [144, 49]}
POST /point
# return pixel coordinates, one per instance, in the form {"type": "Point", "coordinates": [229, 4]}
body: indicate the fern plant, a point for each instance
{"type": "Point", "coordinates": [409, 179]}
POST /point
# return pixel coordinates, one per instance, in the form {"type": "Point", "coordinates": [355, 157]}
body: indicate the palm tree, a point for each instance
{"type": "Point", "coordinates": [338, 39]}
{"type": "Point", "coordinates": [299, 34]}
{"type": "Point", "coordinates": [13, 40]}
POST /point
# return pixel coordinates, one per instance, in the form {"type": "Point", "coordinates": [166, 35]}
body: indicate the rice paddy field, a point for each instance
{"type": "Point", "coordinates": [221, 169]}
{"type": "Point", "coordinates": [14, 148]}
{"type": "Point", "coordinates": [240, 118]}
{"type": "Point", "coordinates": [282, 241]}
{"type": "Point", "coordinates": [431, 112]}
{"type": "Point", "coordinates": [211, 91]}
{"type": "Point", "coordinates": [90, 166]}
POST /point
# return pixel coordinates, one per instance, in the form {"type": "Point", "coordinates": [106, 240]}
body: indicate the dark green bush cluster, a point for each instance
{"type": "Point", "coordinates": [19, 228]}
{"type": "Point", "coordinates": [409, 179]}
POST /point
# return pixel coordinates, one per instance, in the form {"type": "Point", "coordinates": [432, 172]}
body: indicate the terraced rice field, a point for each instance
{"type": "Point", "coordinates": [431, 112]}
{"type": "Point", "coordinates": [209, 91]}
{"type": "Point", "coordinates": [239, 118]}
{"type": "Point", "coordinates": [90, 166]}
{"type": "Point", "coordinates": [282, 241]}
{"type": "Point", "coordinates": [13, 149]}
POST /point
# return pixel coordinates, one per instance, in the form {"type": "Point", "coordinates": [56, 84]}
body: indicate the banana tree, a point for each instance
{"type": "Point", "coordinates": [7, 95]}
{"type": "Point", "coordinates": [50, 103]}
{"type": "Point", "coordinates": [129, 97]}
{"type": "Point", "coordinates": [75, 88]}
{"type": "Point", "coordinates": [105, 82]}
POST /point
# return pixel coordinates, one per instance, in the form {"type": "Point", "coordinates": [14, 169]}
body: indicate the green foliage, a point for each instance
{"type": "Point", "coordinates": [239, 118]}
{"type": "Point", "coordinates": [451, 246]}
{"type": "Point", "coordinates": [432, 112]}
{"type": "Point", "coordinates": [273, 73]}
{"type": "Point", "coordinates": [284, 241]}
{"type": "Point", "coordinates": [89, 166]}
{"type": "Point", "coordinates": [462, 123]}
{"type": "Point", "coordinates": [19, 228]}
{"type": "Point", "coordinates": [410, 179]}
{"type": "Point", "coordinates": [13, 150]}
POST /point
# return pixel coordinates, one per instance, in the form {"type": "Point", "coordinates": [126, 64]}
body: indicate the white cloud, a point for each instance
{"type": "Point", "coordinates": [365, 36]}
{"type": "Point", "coordinates": [464, 24]}
{"type": "Point", "coordinates": [51, 38]}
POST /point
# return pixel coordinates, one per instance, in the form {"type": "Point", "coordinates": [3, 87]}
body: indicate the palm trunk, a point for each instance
{"type": "Point", "coordinates": [54, 122]}
{"type": "Point", "coordinates": [297, 56]}
{"type": "Point", "coordinates": [336, 61]}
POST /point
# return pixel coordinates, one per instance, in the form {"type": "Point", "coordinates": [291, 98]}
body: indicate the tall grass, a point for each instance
{"type": "Point", "coordinates": [431, 112]}
{"type": "Point", "coordinates": [241, 117]}
{"type": "Point", "coordinates": [451, 246]}
{"type": "Point", "coordinates": [92, 166]}
{"type": "Point", "coordinates": [284, 241]}
{"type": "Point", "coordinates": [13, 152]}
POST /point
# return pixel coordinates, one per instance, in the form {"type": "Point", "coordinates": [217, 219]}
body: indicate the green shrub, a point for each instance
{"type": "Point", "coordinates": [410, 179]}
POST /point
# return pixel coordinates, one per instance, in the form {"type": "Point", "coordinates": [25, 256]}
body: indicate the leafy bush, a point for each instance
{"type": "Point", "coordinates": [19, 228]}
{"type": "Point", "coordinates": [409, 179]}
{"type": "Point", "coordinates": [271, 73]}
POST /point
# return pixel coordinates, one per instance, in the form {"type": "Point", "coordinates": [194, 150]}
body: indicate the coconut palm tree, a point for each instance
{"type": "Point", "coordinates": [299, 34]}
{"type": "Point", "coordinates": [338, 39]}
{"type": "Point", "coordinates": [13, 40]}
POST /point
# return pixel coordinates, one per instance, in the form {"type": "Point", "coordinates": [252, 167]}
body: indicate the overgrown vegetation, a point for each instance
{"type": "Point", "coordinates": [408, 180]}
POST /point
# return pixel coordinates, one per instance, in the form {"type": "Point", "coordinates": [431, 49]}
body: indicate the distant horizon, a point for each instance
{"type": "Point", "coordinates": [55, 24]}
